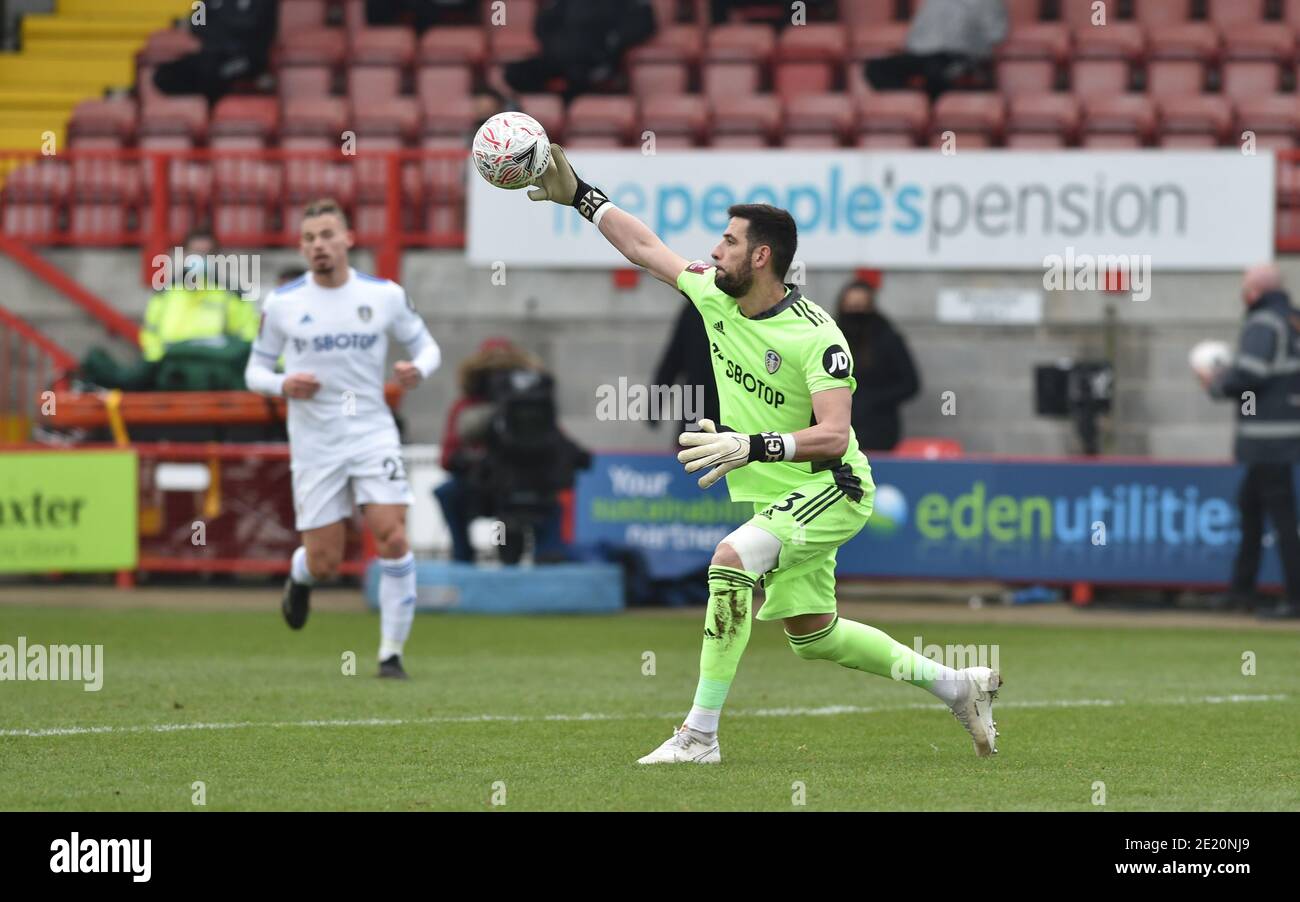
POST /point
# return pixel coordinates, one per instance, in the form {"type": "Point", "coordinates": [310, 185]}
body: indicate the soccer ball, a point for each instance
{"type": "Point", "coordinates": [1208, 356]}
{"type": "Point", "coordinates": [511, 149]}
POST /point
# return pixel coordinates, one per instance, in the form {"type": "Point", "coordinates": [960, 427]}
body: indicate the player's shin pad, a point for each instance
{"type": "Point", "coordinates": [726, 632]}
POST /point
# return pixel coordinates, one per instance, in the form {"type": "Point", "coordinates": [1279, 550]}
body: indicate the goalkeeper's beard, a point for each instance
{"type": "Point", "coordinates": [737, 285]}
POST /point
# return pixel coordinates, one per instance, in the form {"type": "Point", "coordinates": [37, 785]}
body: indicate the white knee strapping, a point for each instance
{"type": "Point", "coordinates": [758, 549]}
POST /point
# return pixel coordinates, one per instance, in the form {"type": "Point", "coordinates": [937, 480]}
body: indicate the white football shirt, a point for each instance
{"type": "Point", "coordinates": [340, 336]}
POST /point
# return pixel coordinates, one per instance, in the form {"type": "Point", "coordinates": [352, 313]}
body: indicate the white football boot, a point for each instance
{"type": "Point", "coordinates": [686, 747]}
{"type": "Point", "coordinates": [975, 711]}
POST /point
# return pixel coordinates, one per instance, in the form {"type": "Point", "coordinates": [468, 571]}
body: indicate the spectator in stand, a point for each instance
{"type": "Point", "coordinates": [882, 366]}
{"type": "Point", "coordinates": [948, 40]}
{"type": "Point", "coordinates": [424, 14]}
{"type": "Point", "coordinates": [235, 38]}
{"type": "Point", "coordinates": [582, 46]}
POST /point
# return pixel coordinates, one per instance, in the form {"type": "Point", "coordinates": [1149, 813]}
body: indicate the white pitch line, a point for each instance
{"type": "Point", "coordinates": [827, 711]}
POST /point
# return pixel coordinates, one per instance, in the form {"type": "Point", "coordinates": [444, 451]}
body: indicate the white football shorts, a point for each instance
{"type": "Point", "coordinates": [325, 495]}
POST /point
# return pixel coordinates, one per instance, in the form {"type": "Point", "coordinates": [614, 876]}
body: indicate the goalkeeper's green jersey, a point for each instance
{"type": "Point", "coordinates": [767, 370]}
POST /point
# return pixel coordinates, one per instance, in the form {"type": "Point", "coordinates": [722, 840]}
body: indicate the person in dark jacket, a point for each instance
{"type": "Point", "coordinates": [883, 367]}
{"type": "Point", "coordinates": [582, 44]}
{"type": "Point", "coordinates": [1263, 380]}
{"type": "Point", "coordinates": [687, 362]}
{"type": "Point", "coordinates": [235, 38]}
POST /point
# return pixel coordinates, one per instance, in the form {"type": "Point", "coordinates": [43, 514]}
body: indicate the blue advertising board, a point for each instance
{"type": "Point", "coordinates": [1011, 520]}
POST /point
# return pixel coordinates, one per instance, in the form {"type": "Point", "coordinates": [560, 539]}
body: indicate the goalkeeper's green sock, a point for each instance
{"type": "Point", "coordinates": [865, 648]}
{"type": "Point", "coordinates": [726, 633]}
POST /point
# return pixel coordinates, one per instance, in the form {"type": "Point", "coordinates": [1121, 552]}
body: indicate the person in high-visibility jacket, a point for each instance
{"type": "Point", "coordinates": [187, 314]}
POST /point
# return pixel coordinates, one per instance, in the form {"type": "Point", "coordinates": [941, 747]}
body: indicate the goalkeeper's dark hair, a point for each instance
{"type": "Point", "coordinates": [771, 226]}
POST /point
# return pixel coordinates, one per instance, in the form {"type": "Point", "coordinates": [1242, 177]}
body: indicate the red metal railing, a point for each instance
{"type": "Point", "coordinates": [251, 198]}
{"type": "Point", "coordinates": [29, 364]}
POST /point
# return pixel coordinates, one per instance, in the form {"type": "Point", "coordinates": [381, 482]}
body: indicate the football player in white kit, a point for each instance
{"type": "Point", "coordinates": [332, 326]}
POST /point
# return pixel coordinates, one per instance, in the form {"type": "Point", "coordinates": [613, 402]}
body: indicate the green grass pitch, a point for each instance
{"type": "Point", "coordinates": [551, 714]}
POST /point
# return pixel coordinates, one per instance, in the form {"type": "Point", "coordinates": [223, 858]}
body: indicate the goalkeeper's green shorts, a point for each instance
{"type": "Point", "coordinates": [812, 522]}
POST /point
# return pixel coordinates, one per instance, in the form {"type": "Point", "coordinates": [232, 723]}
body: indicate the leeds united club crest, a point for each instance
{"type": "Point", "coordinates": [364, 312]}
{"type": "Point", "coordinates": [773, 361]}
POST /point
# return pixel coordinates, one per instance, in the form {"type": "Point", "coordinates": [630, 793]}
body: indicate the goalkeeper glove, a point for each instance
{"type": "Point", "coordinates": [726, 451]}
{"type": "Point", "coordinates": [559, 183]}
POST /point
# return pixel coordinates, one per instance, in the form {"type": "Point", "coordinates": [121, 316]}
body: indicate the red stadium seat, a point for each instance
{"type": "Point", "coordinates": [242, 115]}
{"type": "Point", "coordinates": [1023, 11]}
{"type": "Point", "coordinates": [175, 116]}
{"type": "Point", "coordinates": [1227, 13]}
{"type": "Point", "coordinates": [231, 221]}
{"type": "Point", "coordinates": [166, 45]}
{"type": "Point", "coordinates": [663, 65]}
{"type": "Point", "coordinates": [97, 223]}
{"type": "Point", "coordinates": [889, 114]}
{"type": "Point", "coordinates": [884, 141]}
{"type": "Point", "coordinates": [1054, 115]}
{"type": "Point", "coordinates": [1103, 57]}
{"type": "Point", "coordinates": [976, 117]}
{"type": "Point", "coordinates": [1027, 60]}
{"type": "Point", "coordinates": [869, 42]}
{"type": "Point", "coordinates": [734, 57]}
{"type": "Point", "coordinates": [114, 120]}
{"type": "Point", "coordinates": [517, 15]}
{"type": "Point", "coordinates": [593, 116]}
{"type": "Point", "coordinates": [455, 117]}
{"type": "Point", "coordinates": [866, 12]}
{"type": "Point", "coordinates": [382, 46]}
{"type": "Point", "coordinates": [548, 110]}
{"type": "Point", "coordinates": [372, 83]}
{"type": "Point", "coordinates": [825, 120]}
{"type": "Point", "coordinates": [1080, 15]}
{"type": "Point", "coordinates": [296, 15]}
{"type": "Point", "coordinates": [749, 121]}
{"type": "Point", "coordinates": [1275, 120]}
{"type": "Point", "coordinates": [317, 47]}
{"type": "Point", "coordinates": [1120, 120]}
{"type": "Point", "coordinates": [459, 44]}
{"type": "Point", "coordinates": [304, 81]}
{"type": "Point", "coordinates": [1203, 120]}
{"type": "Point", "coordinates": [807, 59]}
{"type": "Point", "coordinates": [325, 117]}
{"type": "Point", "coordinates": [21, 219]}
{"type": "Point", "coordinates": [396, 117]}
{"type": "Point", "coordinates": [675, 117]}
{"type": "Point", "coordinates": [1178, 56]}
{"type": "Point", "coordinates": [1291, 13]}
{"type": "Point", "coordinates": [433, 84]}
{"type": "Point", "coordinates": [1254, 57]}
{"type": "Point", "coordinates": [594, 142]}
{"type": "Point", "coordinates": [1159, 13]}
{"type": "Point", "coordinates": [507, 46]}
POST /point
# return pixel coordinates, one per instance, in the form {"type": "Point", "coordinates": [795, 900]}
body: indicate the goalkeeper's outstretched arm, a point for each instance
{"type": "Point", "coordinates": [629, 235]}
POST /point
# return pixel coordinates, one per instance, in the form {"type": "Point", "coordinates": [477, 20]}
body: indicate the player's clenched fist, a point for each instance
{"type": "Point", "coordinates": [300, 385]}
{"type": "Point", "coordinates": [724, 451]}
{"type": "Point", "coordinates": [408, 374]}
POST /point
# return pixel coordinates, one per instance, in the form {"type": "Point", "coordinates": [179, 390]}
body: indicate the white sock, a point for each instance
{"type": "Point", "coordinates": [298, 571]}
{"type": "Point", "coordinates": [949, 685]}
{"type": "Point", "coordinates": [396, 603]}
{"type": "Point", "coordinates": [703, 720]}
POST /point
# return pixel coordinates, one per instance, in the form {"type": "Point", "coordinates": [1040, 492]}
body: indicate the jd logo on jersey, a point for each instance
{"type": "Point", "coordinates": [772, 360]}
{"type": "Point", "coordinates": [365, 313]}
{"type": "Point", "coordinates": [836, 362]}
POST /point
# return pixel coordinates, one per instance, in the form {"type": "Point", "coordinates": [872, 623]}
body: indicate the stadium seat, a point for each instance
{"type": "Point", "coordinates": [1027, 60]}
{"type": "Point", "coordinates": [443, 176]}
{"type": "Point", "coordinates": [242, 115]}
{"type": "Point", "coordinates": [1229, 13]}
{"type": "Point", "coordinates": [1275, 120]}
{"type": "Point", "coordinates": [1254, 56]}
{"type": "Point", "coordinates": [97, 223]}
{"type": "Point", "coordinates": [748, 121]}
{"type": "Point", "coordinates": [111, 120]}
{"type": "Point", "coordinates": [508, 46]}
{"type": "Point", "coordinates": [548, 110]}
{"type": "Point", "coordinates": [807, 59]}
{"type": "Point", "coordinates": [1159, 13]}
{"type": "Point", "coordinates": [886, 116]}
{"type": "Point", "coordinates": [1104, 57]}
{"type": "Point", "coordinates": [977, 118]}
{"type": "Point", "coordinates": [884, 141]}
{"type": "Point", "coordinates": [1115, 121]}
{"type": "Point", "coordinates": [397, 117]}
{"type": "Point", "coordinates": [175, 116]}
{"type": "Point", "coordinates": [517, 15]}
{"type": "Point", "coordinates": [166, 45]}
{"type": "Point", "coordinates": [238, 223]}
{"type": "Point", "coordinates": [663, 65]}
{"type": "Point", "coordinates": [1079, 15]}
{"type": "Point", "coordinates": [1042, 120]}
{"type": "Point", "coordinates": [818, 120]}
{"type": "Point", "coordinates": [296, 15]}
{"type": "Point", "coordinates": [315, 125]}
{"type": "Point", "coordinates": [1177, 58]}
{"type": "Point", "coordinates": [315, 47]}
{"type": "Point", "coordinates": [21, 219]}
{"type": "Point", "coordinates": [675, 118]}
{"type": "Point", "coordinates": [452, 117]}
{"type": "Point", "coordinates": [866, 12]}
{"type": "Point", "coordinates": [378, 58]}
{"type": "Point", "coordinates": [460, 44]}
{"type": "Point", "coordinates": [1291, 13]}
{"type": "Point", "coordinates": [434, 84]}
{"type": "Point", "coordinates": [592, 116]}
{"type": "Point", "coordinates": [303, 81]}
{"type": "Point", "coordinates": [734, 57]}
{"type": "Point", "coordinates": [371, 83]}
{"type": "Point", "coordinates": [1195, 121]}
{"type": "Point", "coordinates": [315, 117]}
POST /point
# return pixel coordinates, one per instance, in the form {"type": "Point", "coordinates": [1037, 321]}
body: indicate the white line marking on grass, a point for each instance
{"type": "Point", "coordinates": [826, 711]}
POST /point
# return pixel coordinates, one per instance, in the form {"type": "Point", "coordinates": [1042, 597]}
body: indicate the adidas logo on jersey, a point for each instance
{"type": "Point", "coordinates": [718, 326]}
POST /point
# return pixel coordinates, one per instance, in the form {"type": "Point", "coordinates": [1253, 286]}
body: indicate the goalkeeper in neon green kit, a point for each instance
{"type": "Point", "coordinates": [785, 382]}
